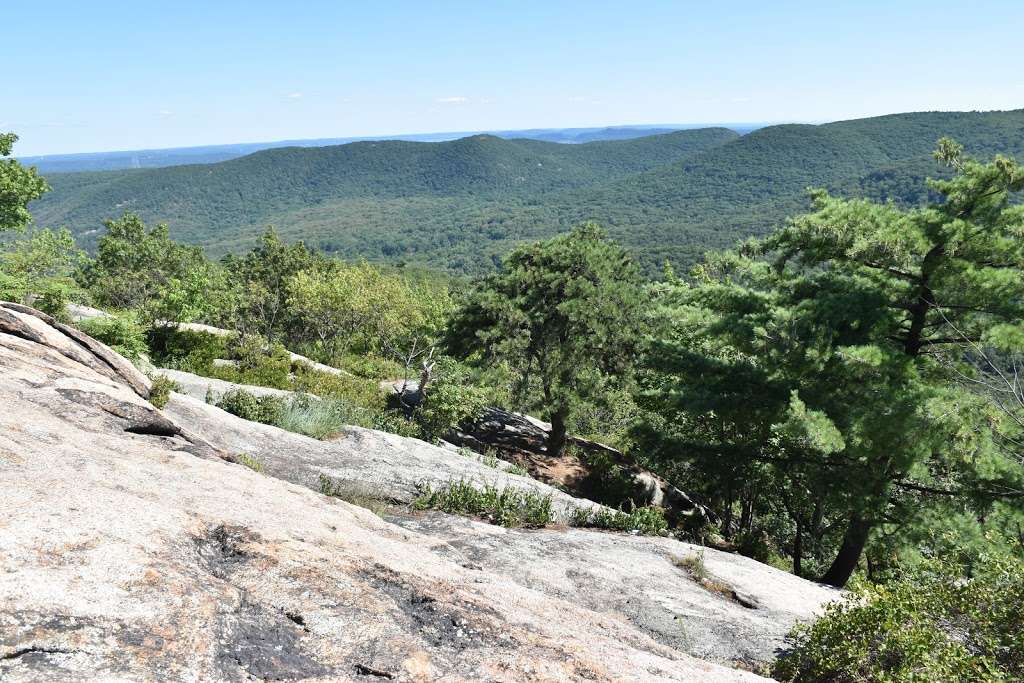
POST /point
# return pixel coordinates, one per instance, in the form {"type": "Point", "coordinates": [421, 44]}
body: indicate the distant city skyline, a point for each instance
{"type": "Point", "coordinates": [119, 76]}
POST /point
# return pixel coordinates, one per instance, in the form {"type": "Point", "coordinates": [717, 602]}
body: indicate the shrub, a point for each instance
{"type": "Point", "coordinates": [265, 409]}
{"type": "Point", "coordinates": [354, 390]}
{"type": "Point", "coordinates": [160, 390]}
{"type": "Point", "coordinates": [259, 363]}
{"type": "Point", "coordinates": [932, 624]}
{"type": "Point", "coordinates": [188, 350]}
{"type": "Point", "coordinates": [321, 418]}
{"type": "Point", "coordinates": [648, 520]}
{"type": "Point", "coordinates": [355, 493]}
{"type": "Point", "coordinates": [450, 401]}
{"type": "Point", "coordinates": [121, 332]}
{"type": "Point", "coordinates": [508, 507]}
{"type": "Point", "coordinates": [519, 470]}
{"type": "Point", "coordinates": [368, 366]}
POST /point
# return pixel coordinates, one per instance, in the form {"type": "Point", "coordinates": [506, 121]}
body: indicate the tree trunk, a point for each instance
{"type": "Point", "coordinates": [798, 549]}
{"type": "Point", "coordinates": [854, 540]}
{"type": "Point", "coordinates": [556, 439]}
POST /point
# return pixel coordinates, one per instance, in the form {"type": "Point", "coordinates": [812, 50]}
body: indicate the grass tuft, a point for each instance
{"type": "Point", "coordinates": [249, 461]}
{"type": "Point", "coordinates": [508, 507]}
{"type": "Point", "coordinates": [648, 520]}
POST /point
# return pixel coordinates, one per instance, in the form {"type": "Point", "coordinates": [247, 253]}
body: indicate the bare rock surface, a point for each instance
{"type": "Point", "coordinates": [363, 462]}
{"type": "Point", "coordinates": [130, 550]}
{"type": "Point", "coordinates": [742, 621]}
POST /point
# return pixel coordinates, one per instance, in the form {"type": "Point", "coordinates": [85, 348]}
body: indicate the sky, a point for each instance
{"type": "Point", "coordinates": [102, 76]}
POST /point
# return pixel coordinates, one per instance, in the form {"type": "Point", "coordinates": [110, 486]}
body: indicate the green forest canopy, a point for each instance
{"type": "Point", "coordinates": [459, 205]}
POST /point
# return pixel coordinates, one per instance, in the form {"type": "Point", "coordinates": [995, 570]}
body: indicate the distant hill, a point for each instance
{"type": "Point", "coordinates": [459, 205]}
{"type": "Point", "coordinates": [209, 154]}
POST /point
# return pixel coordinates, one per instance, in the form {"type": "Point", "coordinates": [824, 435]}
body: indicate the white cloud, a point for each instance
{"type": "Point", "coordinates": [293, 95]}
{"type": "Point", "coordinates": [458, 99]}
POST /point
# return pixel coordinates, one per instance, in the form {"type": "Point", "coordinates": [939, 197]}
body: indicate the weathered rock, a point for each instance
{"type": "Point", "coordinates": [27, 323]}
{"type": "Point", "coordinates": [79, 312]}
{"type": "Point", "coordinates": [124, 556]}
{"type": "Point", "coordinates": [645, 579]}
{"type": "Point", "coordinates": [363, 461]}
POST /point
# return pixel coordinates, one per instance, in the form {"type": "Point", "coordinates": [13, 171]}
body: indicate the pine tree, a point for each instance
{"type": "Point", "coordinates": [815, 367]}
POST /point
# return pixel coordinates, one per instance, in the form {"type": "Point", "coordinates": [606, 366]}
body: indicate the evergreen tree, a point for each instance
{"type": "Point", "coordinates": [813, 369]}
{"type": "Point", "coordinates": [565, 315]}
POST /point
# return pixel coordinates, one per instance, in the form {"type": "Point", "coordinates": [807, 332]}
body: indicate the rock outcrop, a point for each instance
{"type": "Point", "coordinates": [131, 548]}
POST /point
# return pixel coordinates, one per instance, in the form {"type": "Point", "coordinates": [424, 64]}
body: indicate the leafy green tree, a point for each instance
{"type": "Point", "coordinates": [263, 276]}
{"type": "Point", "coordinates": [565, 315]}
{"type": "Point", "coordinates": [18, 187]}
{"type": "Point", "coordinates": [942, 621]}
{"type": "Point", "coordinates": [822, 370]}
{"type": "Point", "coordinates": [38, 268]}
{"type": "Point", "coordinates": [145, 270]}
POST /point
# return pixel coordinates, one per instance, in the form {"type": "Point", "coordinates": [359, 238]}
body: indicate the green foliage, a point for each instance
{"type": "Point", "coordinates": [940, 622]}
{"type": "Point", "coordinates": [160, 390]}
{"type": "Point", "coordinates": [249, 461]}
{"type": "Point", "coordinates": [264, 409]}
{"type": "Point", "coordinates": [145, 270]}
{"type": "Point", "coordinates": [354, 390]}
{"type": "Point", "coordinates": [450, 401]}
{"type": "Point", "coordinates": [301, 413]}
{"type": "Point", "coordinates": [18, 187]}
{"type": "Point", "coordinates": [122, 332]}
{"type": "Point", "coordinates": [648, 520]}
{"type": "Point", "coordinates": [263, 276]}
{"type": "Point", "coordinates": [257, 362]}
{"type": "Point", "coordinates": [824, 353]}
{"type": "Point", "coordinates": [183, 349]}
{"type": "Point", "coordinates": [321, 418]}
{"type": "Point", "coordinates": [564, 315]}
{"type": "Point", "coordinates": [36, 269]}
{"type": "Point", "coordinates": [508, 507]}
{"type": "Point", "coordinates": [355, 493]}
{"type": "Point", "coordinates": [518, 470]}
{"type": "Point", "coordinates": [460, 205]}
{"type": "Point", "coordinates": [387, 200]}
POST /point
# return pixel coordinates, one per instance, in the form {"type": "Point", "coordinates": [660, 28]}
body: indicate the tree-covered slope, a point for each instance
{"type": "Point", "coordinates": [199, 201]}
{"type": "Point", "coordinates": [457, 205]}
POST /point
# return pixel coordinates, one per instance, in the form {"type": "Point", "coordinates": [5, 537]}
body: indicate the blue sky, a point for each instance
{"type": "Point", "coordinates": [96, 76]}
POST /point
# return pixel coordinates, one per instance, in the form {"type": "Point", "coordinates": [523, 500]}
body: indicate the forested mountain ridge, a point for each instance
{"type": "Point", "coordinates": [210, 154]}
{"type": "Point", "coordinates": [458, 205]}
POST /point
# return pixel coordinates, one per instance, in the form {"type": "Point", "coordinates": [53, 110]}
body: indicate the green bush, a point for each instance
{"type": "Point", "coordinates": [188, 350]}
{"type": "Point", "coordinates": [121, 332]}
{"type": "Point", "coordinates": [932, 624]}
{"type": "Point", "coordinates": [321, 418]}
{"type": "Point", "coordinates": [648, 520]}
{"type": "Point", "coordinates": [249, 461]}
{"type": "Point", "coordinates": [368, 366]}
{"type": "Point", "coordinates": [354, 390]}
{"type": "Point", "coordinates": [258, 363]}
{"type": "Point", "coordinates": [265, 409]}
{"type": "Point", "coordinates": [450, 401]}
{"type": "Point", "coordinates": [160, 390]}
{"type": "Point", "coordinates": [508, 507]}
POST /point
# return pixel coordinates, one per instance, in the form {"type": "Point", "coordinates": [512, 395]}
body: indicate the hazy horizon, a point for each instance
{"type": "Point", "coordinates": [198, 74]}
